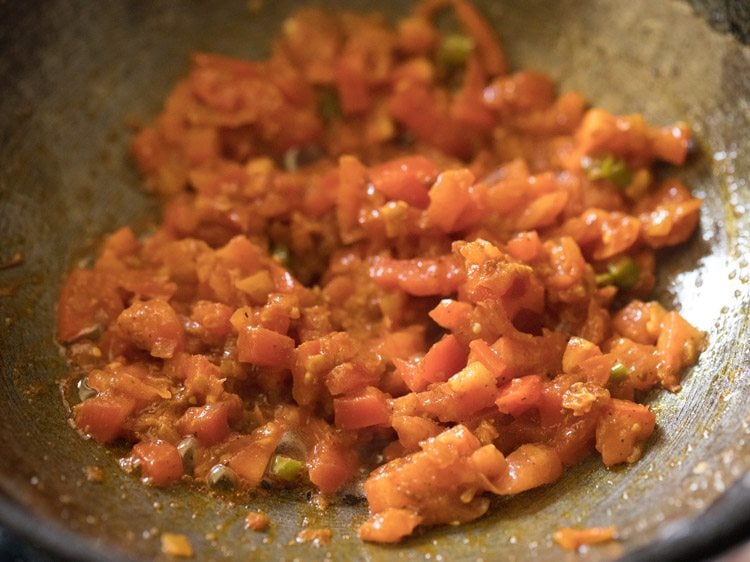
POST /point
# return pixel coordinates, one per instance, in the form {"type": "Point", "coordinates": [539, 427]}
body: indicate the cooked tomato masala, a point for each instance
{"type": "Point", "coordinates": [386, 262]}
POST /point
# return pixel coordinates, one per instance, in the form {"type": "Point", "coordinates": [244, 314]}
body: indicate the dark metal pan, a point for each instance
{"type": "Point", "coordinates": [72, 73]}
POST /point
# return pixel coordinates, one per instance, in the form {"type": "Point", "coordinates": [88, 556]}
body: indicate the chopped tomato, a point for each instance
{"type": "Point", "coordinates": [530, 466]}
{"type": "Point", "coordinates": [622, 431]}
{"type": "Point", "coordinates": [519, 395]}
{"type": "Point", "coordinates": [153, 326]}
{"type": "Point", "coordinates": [419, 277]}
{"type": "Point", "coordinates": [160, 461]}
{"type": "Point", "coordinates": [210, 423]}
{"type": "Point", "coordinates": [407, 179]}
{"type": "Point", "coordinates": [365, 409]}
{"type": "Point", "coordinates": [381, 247]}
{"type": "Point", "coordinates": [89, 300]}
{"type": "Point", "coordinates": [331, 465]}
{"type": "Point", "coordinates": [264, 347]}
{"type": "Point", "coordinates": [250, 462]}
{"type": "Point", "coordinates": [103, 417]}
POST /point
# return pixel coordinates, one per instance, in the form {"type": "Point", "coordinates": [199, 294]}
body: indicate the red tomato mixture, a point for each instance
{"type": "Point", "coordinates": [385, 258]}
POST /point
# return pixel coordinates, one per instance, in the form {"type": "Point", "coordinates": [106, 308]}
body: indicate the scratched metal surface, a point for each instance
{"type": "Point", "coordinates": [72, 74]}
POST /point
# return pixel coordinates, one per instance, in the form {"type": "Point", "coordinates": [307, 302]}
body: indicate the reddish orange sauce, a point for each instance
{"type": "Point", "coordinates": [384, 253]}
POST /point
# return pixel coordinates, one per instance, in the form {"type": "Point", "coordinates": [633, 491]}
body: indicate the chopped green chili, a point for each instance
{"type": "Point", "coordinates": [609, 168]}
{"type": "Point", "coordinates": [624, 273]}
{"type": "Point", "coordinates": [280, 252]}
{"type": "Point", "coordinates": [455, 50]}
{"type": "Point", "coordinates": [329, 106]}
{"type": "Point", "coordinates": [286, 468]}
{"type": "Point", "coordinates": [618, 373]}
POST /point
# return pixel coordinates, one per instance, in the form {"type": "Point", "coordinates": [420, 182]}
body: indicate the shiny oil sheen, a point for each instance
{"type": "Point", "coordinates": [73, 75]}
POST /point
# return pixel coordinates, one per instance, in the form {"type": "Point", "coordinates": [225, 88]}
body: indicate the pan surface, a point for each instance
{"type": "Point", "coordinates": [74, 73]}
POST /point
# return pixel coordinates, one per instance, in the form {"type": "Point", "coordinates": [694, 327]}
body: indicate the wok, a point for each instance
{"type": "Point", "coordinates": [73, 72]}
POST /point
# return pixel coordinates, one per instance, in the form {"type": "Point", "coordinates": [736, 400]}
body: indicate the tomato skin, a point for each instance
{"type": "Point", "coordinates": [160, 461]}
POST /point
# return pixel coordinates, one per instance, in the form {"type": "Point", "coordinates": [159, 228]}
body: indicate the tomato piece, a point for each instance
{"type": "Point", "coordinates": [623, 430]}
{"type": "Point", "coordinates": [210, 423]}
{"type": "Point", "coordinates": [412, 430]}
{"type": "Point", "coordinates": [671, 144]}
{"type": "Point", "coordinates": [331, 465]}
{"type": "Point", "coordinates": [432, 482]}
{"type": "Point", "coordinates": [351, 84]}
{"type": "Point", "coordinates": [487, 356]}
{"type": "Point", "coordinates": [521, 91]}
{"type": "Point", "coordinates": [639, 321]}
{"type": "Point", "coordinates": [519, 395]}
{"type": "Point", "coordinates": [153, 326]}
{"type": "Point", "coordinates": [264, 347]}
{"type": "Point", "coordinates": [160, 461]}
{"type": "Point", "coordinates": [349, 377]}
{"type": "Point", "coordinates": [525, 246]}
{"type": "Point", "coordinates": [419, 277]}
{"type": "Point", "coordinates": [678, 346]}
{"type": "Point", "coordinates": [450, 197]}
{"type": "Point", "coordinates": [407, 179]}
{"type": "Point", "coordinates": [452, 314]}
{"type": "Point", "coordinates": [89, 300]}
{"type": "Point", "coordinates": [529, 466]}
{"type": "Point", "coordinates": [365, 409]}
{"type": "Point", "coordinates": [445, 358]}
{"type": "Point", "coordinates": [251, 461]}
{"type": "Point", "coordinates": [103, 417]}
{"type": "Point", "coordinates": [202, 378]}
{"type": "Point", "coordinates": [350, 195]}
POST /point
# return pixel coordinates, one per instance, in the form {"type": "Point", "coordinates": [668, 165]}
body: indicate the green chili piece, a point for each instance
{"type": "Point", "coordinates": [624, 273]}
{"type": "Point", "coordinates": [286, 468]}
{"type": "Point", "coordinates": [329, 106]}
{"type": "Point", "coordinates": [281, 254]}
{"type": "Point", "coordinates": [455, 50]}
{"type": "Point", "coordinates": [618, 373]}
{"type": "Point", "coordinates": [609, 168]}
